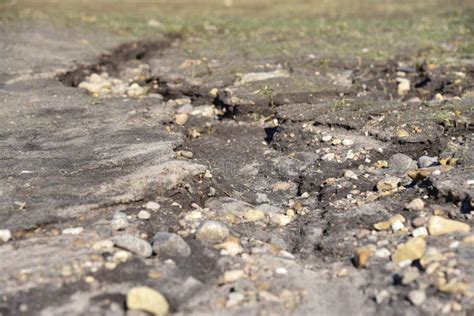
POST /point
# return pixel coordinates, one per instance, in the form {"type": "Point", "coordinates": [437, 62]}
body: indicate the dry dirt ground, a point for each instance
{"type": "Point", "coordinates": [237, 157]}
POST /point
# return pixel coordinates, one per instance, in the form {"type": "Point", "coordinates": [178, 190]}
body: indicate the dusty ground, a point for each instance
{"type": "Point", "coordinates": [297, 126]}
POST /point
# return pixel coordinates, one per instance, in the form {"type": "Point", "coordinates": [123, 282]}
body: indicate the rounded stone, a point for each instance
{"type": "Point", "coordinates": [133, 244]}
{"type": "Point", "coordinates": [401, 163]}
{"type": "Point", "coordinates": [212, 231]}
{"type": "Point", "coordinates": [147, 299]}
{"type": "Point", "coordinates": [170, 245]}
{"type": "Point", "coordinates": [427, 161]}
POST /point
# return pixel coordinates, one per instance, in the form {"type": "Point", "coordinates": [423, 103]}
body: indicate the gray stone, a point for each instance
{"type": "Point", "coordinates": [426, 161]}
{"type": "Point", "coordinates": [212, 232]}
{"type": "Point", "coordinates": [133, 244]}
{"type": "Point", "coordinates": [401, 163]}
{"type": "Point", "coordinates": [170, 245]}
{"type": "Point", "coordinates": [417, 297]}
{"type": "Point", "coordinates": [119, 221]}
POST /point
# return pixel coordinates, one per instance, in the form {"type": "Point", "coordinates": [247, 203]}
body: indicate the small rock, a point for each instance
{"type": "Point", "coordinates": [73, 231]}
{"type": "Point", "coordinates": [144, 215]}
{"type": "Point", "coordinates": [5, 235]}
{"type": "Point", "coordinates": [170, 245]}
{"type": "Point", "coordinates": [185, 154]}
{"type": "Point", "coordinates": [133, 244]}
{"type": "Point", "coordinates": [350, 175]}
{"type": "Point", "coordinates": [382, 253]}
{"type": "Point", "coordinates": [280, 219]}
{"type": "Point", "coordinates": [230, 247]}
{"type": "Point", "coordinates": [388, 184]}
{"type": "Point", "coordinates": [401, 163]}
{"type": "Point", "coordinates": [147, 299]}
{"type": "Point", "coordinates": [438, 225]}
{"type": "Point", "coordinates": [416, 205]}
{"type": "Point", "coordinates": [362, 256]}
{"type": "Point", "coordinates": [413, 249]}
{"type": "Point", "coordinates": [347, 142]}
{"type": "Point", "coordinates": [417, 297]}
{"type": "Point", "coordinates": [382, 296]}
{"type": "Point", "coordinates": [426, 161]}
{"type": "Point", "coordinates": [181, 118]}
{"type": "Point", "coordinates": [212, 231]}
{"type": "Point", "coordinates": [403, 86]}
{"type": "Point", "coordinates": [419, 232]}
{"type": "Point", "coordinates": [397, 225]}
{"type": "Point", "coordinates": [326, 138]}
{"type": "Point", "coordinates": [103, 245]}
{"type": "Point", "coordinates": [119, 221]}
{"type": "Point", "coordinates": [401, 133]}
{"type": "Point", "coordinates": [410, 275]}
{"type": "Point", "coordinates": [388, 224]}
{"type": "Point", "coordinates": [152, 206]}
{"type": "Point", "coordinates": [230, 276]}
{"type": "Point", "coordinates": [254, 215]}
{"type": "Point", "coordinates": [419, 221]}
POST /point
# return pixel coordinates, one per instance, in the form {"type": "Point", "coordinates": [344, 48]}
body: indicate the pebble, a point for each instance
{"type": "Point", "coordinates": [410, 275]}
{"type": "Point", "coordinates": [212, 231]}
{"type": "Point", "coordinates": [119, 221]}
{"type": "Point", "coordinates": [326, 138]}
{"type": "Point", "coordinates": [254, 215]}
{"type": "Point", "coordinates": [350, 174]}
{"type": "Point", "coordinates": [382, 296]}
{"type": "Point", "coordinates": [416, 205]}
{"type": "Point", "coordinates": [382, 253]}
{"type": "Point", "coordinates": [152, 206]}
{"type": "Point", "coordinates": [362, 256]}
{"type": "Point", "coordinates": [388, 224]}
{"type": "Point", "coordinates": [411, 250]}
{"type": "Point", "coordinates": [181, 118]}
{"type": "Point", "coordinates": [184, 154]}
{"type": "Point", "coordinates": [403, 86]}
{"type": "Point", "coordinates": [416, 297]}
{"type": "Point", "coordinates": [401, 163]}
{"type": "Point", "coordinates": [388, 184]}
{"type": "Point", "coordinates": [397, 225]}
{"type": "Point", "coordinates": [230, 276]}
{"type": "Point", "coordinates": [419, 232]}
{"type": "Point", "coordinates": [133, 244]}
{"type": "Point", "coordinates": [103, 245]}
{"type": "Point", "coordinates": [419, 221]}
{"type": "Point", "coordinates": [144, 215]}
{"type": "Point", "coordinates": [147, 299]}
{"type": "Point", "coordinates": [72, 231]}
{"type": "Point", "coordinates": [5, 235]}
{"type": "Point", "coordinates": [280, 219]}
{"type": "Point", "coordinates": [347, 142]}
{"type": "Point", "coordinates": [170, 245]}
{"type": "Point", "coordinates": [438, 225]}
{"type": "Point", "coordinates": [427, 161]}
{"type": "Point", "coordinates": [281, 271]}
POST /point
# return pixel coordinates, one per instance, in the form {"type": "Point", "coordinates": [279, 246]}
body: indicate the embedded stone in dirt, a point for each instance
{"type": "Point", "coordinates": [438, 225]}
{"type": "Point", "coordinates": [413, 249]}
{"type": "Point", "coordinates": [5, 235]}
{"type": "Point", "coordinates": [147, 299]}
{"type": "Point", "coordinates": [388, 184]}
{"type": "Point", "coordinates": [212, 232]}
{"type": "Point", "coordinates": [133, 244]}
{"type": "Point", "coordinates": [401, 163]}
{"type": "Point", "coordinates": [415, 205]}
{"type": "Point", "coordinates": [170, 245]}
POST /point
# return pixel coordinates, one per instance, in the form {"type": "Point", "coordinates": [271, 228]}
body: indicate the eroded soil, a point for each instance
{"type": "Point", "coordinates": [292, 164]}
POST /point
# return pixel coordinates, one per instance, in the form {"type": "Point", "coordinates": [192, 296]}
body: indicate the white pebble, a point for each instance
{"type": "Point", "coordinates": [73, 231]}
{"type": "Point", "coordinates": [5, 235]}
{"type": "Point", "coordinates": [152, 206]}
{"type": "Point", "coordinates": [382, 253]}
{"type": "Point", "coordinates": [281, 271]}
{"type": "Point", "coordinates": [420, 231]}
{"type": "Point", "coordinates": [347, 142]}
{"type": "Point", "coordinates": [144, 215]}
{"type": "Point", "coordinates": [397, 225]}
{"type": "Point", "coordinates": [326, 138]}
